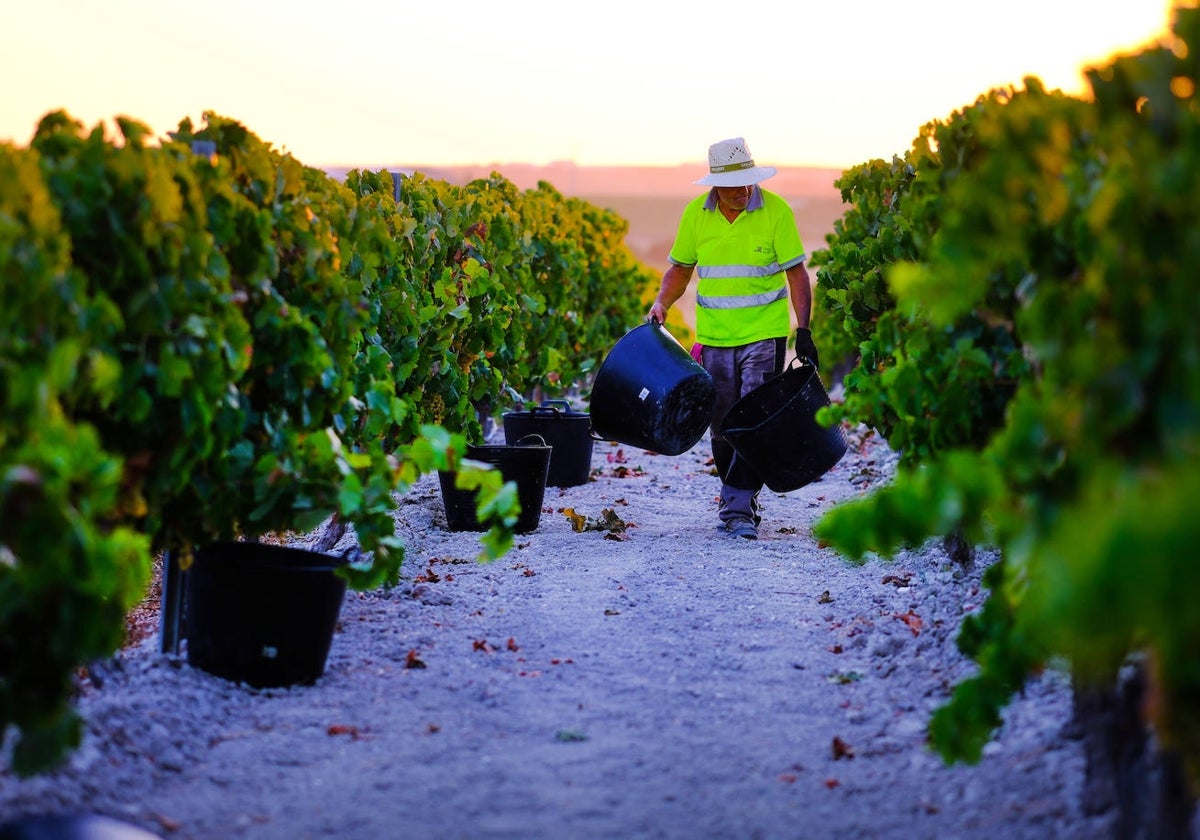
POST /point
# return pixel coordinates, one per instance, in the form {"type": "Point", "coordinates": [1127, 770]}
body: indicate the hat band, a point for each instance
{"type": "Point", "coordinates": [732, 167]}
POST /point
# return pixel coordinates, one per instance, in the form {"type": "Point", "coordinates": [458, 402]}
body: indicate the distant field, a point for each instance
{"type": "Point", "coordinates": [652, 224]}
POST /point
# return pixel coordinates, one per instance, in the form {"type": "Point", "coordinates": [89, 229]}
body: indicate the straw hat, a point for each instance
{"type": "Point", "coordinates": [730, 165]}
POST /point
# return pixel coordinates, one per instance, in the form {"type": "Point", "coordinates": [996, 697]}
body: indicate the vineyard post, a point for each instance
{"type": "Point", "coordinates": [171, 604]}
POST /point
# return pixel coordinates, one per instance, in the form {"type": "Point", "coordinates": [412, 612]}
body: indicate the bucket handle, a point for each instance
{"type": "Point", "coordinates": [551, 406]}
{"type": "Point", "coordinates": [803, 362]}
{"type": "Point", "coordinates": [541, 441]}
{"type": "Point", "coordinates": [796, 361]}
{"type": "Point", "coordinates": [816, 371]}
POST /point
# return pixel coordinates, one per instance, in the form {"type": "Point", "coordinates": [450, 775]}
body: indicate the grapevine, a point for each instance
{"type": "Point", "coordinates": [1038, 363]}
{"type": "Point", "coordinates": [206, 339]}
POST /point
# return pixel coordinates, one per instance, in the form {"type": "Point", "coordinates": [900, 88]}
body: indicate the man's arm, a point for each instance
{"type": "Point", "coordinates": [674, 283]}
{"type": "Point", "coordinates": [800, 292]}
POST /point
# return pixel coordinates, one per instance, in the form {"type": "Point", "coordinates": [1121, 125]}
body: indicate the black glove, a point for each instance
{"type": "Point", "coordinates": [805, 348]}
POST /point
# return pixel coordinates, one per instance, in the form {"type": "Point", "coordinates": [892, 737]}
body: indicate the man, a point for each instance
{"type": "Point", "coordinates": [744, 241]}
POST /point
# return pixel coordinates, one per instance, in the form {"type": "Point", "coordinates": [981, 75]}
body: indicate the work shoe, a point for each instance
{"type": "Point", "coordinates": [742, 527]}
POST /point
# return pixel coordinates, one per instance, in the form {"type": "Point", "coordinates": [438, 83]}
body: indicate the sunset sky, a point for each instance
{"type": "Point", "coordinates": [376, 83]}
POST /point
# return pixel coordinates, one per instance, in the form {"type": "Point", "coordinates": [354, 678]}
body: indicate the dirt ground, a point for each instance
{"type": "Point", "coordinates": [653, 678]}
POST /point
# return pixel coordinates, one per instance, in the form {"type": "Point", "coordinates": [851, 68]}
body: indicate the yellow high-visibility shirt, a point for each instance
{"type": "Point", "coordinates": [742, 292]}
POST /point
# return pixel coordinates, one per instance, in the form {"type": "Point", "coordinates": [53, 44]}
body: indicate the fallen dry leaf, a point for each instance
{"type": "Point", "coordinates": [428, 576]}
{"type": "Point", "coordinates": [841, 749]}
{"type": "Point", "coordinates": [578, 521]}
{"type": "Point", "coordinates": [912, 620]}
{"type": "Point", "coordinates": [611, 521]}
{"type": "Point", "coordinates": [607, 521]}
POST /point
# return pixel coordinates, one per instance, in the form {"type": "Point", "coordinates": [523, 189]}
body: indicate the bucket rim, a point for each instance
{"type": "Point", "coordinates": [655, 326]}
{"type": "Point", "coordinates": [549, 409]}
{"type": "Point", "coordinates": [500, 448]}
{"type": "Point", "coordinates": [650, 392]}
{"type": "Point", "coordinates": [269, 556]}
{"type": "Point", "coordinates": [768, 388]}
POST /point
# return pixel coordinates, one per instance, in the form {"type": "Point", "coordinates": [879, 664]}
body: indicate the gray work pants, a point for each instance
{"type": "Point", "coordinates": [736, 371]}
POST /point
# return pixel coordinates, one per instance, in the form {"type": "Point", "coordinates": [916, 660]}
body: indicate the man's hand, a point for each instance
{"type": "Point", "coordinates": [805, 348]}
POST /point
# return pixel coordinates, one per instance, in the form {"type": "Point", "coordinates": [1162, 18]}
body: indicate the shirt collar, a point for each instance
{"type": "Point", "coordinates": [756, 199]}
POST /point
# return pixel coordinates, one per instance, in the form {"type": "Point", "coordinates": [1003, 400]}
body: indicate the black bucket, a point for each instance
{"type": "Point", "coordinates": [567, 432]}
{"type": "Point", "coordinates": [72, 827]}
{"type": "Point", "coordinates": [650, 392]}
{"type": "Point", "coordinates": [262, 614]}
{"type": "Point", "coordinates": [774, 429]}
{"type": "Point", "coordinates": [526, 464]}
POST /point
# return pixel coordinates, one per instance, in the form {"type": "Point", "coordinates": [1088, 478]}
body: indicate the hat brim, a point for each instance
{"type": "Point", "coordinates": [738, 178]}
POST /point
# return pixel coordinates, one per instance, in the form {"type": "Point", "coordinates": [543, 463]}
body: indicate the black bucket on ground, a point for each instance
{"type": "Point", "coordinates": [261, 613]}
{"type": "Point", "coordinates": [567, 432]}
{"type": "Point", "coordinates": [650, 392]}
{"type": "Point", "coordinates": [774, 428]}
{"type": "Point", "coordinates": [526, 464]}
{"type": "Point", "coordinates": [72, 827]}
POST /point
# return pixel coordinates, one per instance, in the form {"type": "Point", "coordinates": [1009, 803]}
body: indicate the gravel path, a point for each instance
{"type": "Point", "coordinates": [662, 682]}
